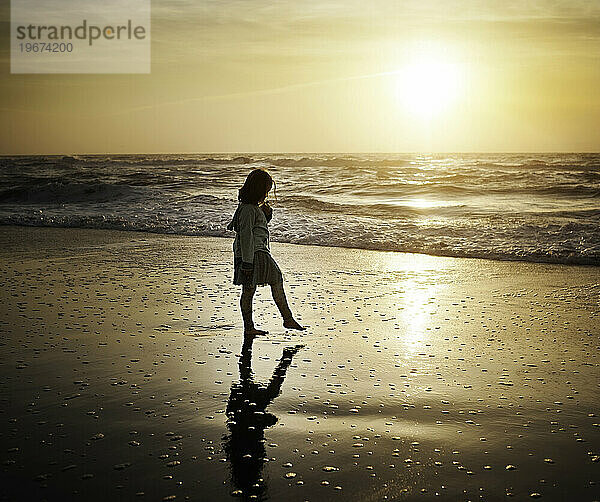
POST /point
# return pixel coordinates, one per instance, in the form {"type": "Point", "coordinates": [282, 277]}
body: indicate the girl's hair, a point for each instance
{"type": "Point", "coordinates": [255, 190]}
{"type": "Point", "coordinates": [256, 187]}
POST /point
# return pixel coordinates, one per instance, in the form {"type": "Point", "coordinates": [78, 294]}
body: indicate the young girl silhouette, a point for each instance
{"type": "Point", "coordinates": [253, 263]}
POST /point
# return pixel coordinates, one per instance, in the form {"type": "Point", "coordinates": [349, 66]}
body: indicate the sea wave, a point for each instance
{"type": "Point", "coordinates": [66, 193]}
{"type": "Point", "coordinates": [511, 243]}
{"type": "Point", "coordinates": [511, 207]}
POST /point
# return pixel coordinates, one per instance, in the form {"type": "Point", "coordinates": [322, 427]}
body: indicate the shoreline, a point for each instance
{"type": "Point", "coordinates": [174, 235]}
{"type": "Point", "coordinates": [419, 378]}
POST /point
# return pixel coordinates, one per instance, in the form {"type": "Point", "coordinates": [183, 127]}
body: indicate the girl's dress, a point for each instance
{"type": "Point", "coordinates": [251, 249]}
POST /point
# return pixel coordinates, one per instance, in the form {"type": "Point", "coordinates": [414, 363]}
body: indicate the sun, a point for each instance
{"type": "Point", "coordinates": [428, 86]}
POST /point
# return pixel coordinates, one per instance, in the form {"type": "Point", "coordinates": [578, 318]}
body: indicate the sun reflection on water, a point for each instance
{"type": "Point", "coordinates": [417, 290]}
{"type": "Point", "coordinates": [417, 307]}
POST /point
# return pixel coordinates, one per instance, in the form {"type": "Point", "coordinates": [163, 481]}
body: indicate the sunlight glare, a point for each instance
{"type": "Point", "coordinates": [428, 85]}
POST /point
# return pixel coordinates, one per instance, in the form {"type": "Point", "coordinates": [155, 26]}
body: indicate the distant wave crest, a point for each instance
{"type": "Point", "coordinates": [64, 193]}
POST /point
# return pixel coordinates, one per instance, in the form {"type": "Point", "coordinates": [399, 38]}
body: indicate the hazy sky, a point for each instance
{"type": "Point", "coordinates": [334, 76]}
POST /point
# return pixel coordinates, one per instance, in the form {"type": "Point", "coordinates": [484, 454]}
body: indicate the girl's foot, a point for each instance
{"type": "Point", "coordinates": [293, 324]}
{"type": "Point", "coordinates": [291, 351]}
{"type": "Point", "coordinates": [254, 332]}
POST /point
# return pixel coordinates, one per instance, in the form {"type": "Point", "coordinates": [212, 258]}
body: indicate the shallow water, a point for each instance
{"type": "Point", "coordinates": [419, 377]}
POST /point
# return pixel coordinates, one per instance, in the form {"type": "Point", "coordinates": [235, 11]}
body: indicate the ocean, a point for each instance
{"type": "Point", "coordinates": [530, 207]}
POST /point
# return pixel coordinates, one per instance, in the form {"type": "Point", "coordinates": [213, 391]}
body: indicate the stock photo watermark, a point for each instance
{"type": "Point", "coordinates": [80, 36]}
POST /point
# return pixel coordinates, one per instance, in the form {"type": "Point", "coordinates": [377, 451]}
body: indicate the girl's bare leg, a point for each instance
{"type": "Point", "coordinates": [246, 308]}
{"type": "Point", "coordinates": [281, 301]}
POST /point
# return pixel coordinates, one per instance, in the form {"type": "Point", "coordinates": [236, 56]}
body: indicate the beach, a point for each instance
{"type": "Point", "coordinates": [419, 378]}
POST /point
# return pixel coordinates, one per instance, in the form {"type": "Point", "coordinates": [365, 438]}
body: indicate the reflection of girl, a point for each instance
{"type": "Point", "coordinates": [247, 420]}
{"type": "Point", "coordinates": [253, 263]}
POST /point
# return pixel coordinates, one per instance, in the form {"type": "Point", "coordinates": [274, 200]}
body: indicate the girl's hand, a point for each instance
{"type": "Point", "coordinates": [247, 271]}
{"type": "Point", "coordinates": [266, 209]}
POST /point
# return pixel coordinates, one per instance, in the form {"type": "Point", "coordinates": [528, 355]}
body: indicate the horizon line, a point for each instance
{"type": "Point", "coordinates": [377, 152]}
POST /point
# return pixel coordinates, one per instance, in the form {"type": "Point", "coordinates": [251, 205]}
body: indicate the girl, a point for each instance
{"type": "Point", "coordinates": [253, 263]}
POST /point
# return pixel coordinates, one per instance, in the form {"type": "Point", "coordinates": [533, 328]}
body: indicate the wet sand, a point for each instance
{"type": "Point", "coordinates": [125, 375]}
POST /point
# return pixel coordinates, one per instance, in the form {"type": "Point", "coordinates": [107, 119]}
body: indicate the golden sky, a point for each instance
{"type": "Point", "coordinates": [329, 76]}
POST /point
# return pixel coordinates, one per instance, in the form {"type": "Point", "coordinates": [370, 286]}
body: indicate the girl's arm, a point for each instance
{"type": "Point", "coordinates": [245, 225]}
{"type": "Point", "coordinates": [267, 210]}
